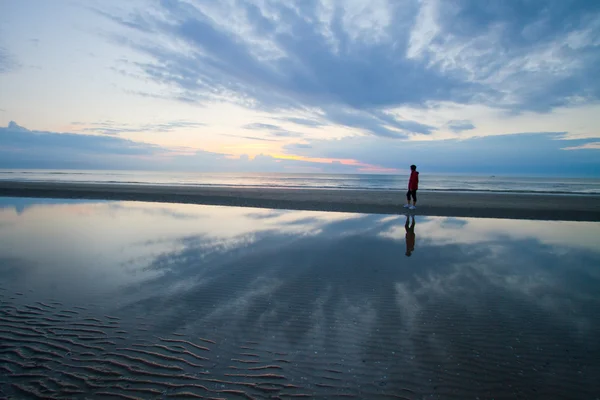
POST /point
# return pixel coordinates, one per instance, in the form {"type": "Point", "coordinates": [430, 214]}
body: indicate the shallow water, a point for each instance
{"type": "Point", "coordinates": [137, 300]}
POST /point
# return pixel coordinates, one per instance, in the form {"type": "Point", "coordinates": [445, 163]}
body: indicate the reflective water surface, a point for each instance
{"type": "Point", "coordinates": [138, 300]}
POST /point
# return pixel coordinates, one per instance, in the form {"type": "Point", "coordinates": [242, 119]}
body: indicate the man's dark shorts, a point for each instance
{"type": "Point", "coordinates": [412, 193]}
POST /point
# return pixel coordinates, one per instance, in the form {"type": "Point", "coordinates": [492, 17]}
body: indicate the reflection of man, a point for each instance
{"type": "Point", "coordinates": [410, 236]}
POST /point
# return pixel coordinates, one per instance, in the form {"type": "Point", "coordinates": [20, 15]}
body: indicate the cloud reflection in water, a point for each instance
{"type": "Point", "coordinates": [337, 284]}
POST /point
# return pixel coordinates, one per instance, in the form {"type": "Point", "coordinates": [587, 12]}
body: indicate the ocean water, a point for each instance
{"type": "Point", "coordinates": [428, 182]}
{"type": "Point", "coordinates": [135, 300]}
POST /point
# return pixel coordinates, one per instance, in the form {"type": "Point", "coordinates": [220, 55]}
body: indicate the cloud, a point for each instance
{"type": "Point", "coordinates": [114, 128]}
{"type": "Point", "coordinates": [350, 62]}
{"type": "Point", "coordinates": [302, 146]}
{"type": "Point", "coordinates": [262, 139]}
{"type": "Point", "coordinates": [460, 126]}
{"type": "Point", "coordinates": [303, 121]}
{"type": "Point", "coordinates": [272, 130]}
{"type": "Point", "coordinates": [14, 127]}
{"type": "Point", "coordinates": [308, 73]}
{"type": "Point", "coordinates": [261, 127]}
{"type": "Point", "coordinates": [521, 154]}
{"type": "Point", "coordinates": [585, 146]}
{"type": "Point", "coordinates": [529, 55]}
{"type": "Point", "coordinates": [377, 123]}
{"type": "Point", "coordinates": [7, 62]}
{"type": "Point", "coordinates": [21, 148]}
{"type": "Point", "coordinates": [288, 134]}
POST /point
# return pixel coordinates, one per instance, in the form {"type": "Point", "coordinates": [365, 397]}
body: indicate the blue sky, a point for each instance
{"type": "Point", "coordinates": [308, 86]}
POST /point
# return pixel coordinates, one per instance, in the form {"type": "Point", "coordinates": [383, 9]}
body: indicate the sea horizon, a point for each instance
{"type": "Point", "coordinates": [446, 182]}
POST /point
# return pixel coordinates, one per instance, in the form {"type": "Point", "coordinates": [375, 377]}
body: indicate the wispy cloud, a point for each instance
{"type": "Point", "coordinates": [272, 130]}
{"type": "Point", "coordinates": [352, 61]}
{"type": "Point", "coordinates": [460, 125]}
{"type": "Point", "coordinates": [585, 146]}
{"type": "Point", "coordinates": [261, 139]}
{"type": "Point", "coordinates": [261, 127]}
{"type": "Point", "coordinates": [527, 55]}
{"type": "Point", "coordinates": [115, 128]}
{"type": "Point", "coordinates": [7, 61]}
{"type": "Point", "coordinates": [302, 121]}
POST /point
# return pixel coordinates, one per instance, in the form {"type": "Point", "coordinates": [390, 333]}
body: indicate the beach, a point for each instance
{"type": "Point", "coordinates": [472, 204]}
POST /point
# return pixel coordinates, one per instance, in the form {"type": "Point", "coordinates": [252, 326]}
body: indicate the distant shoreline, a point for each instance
{"type": "Point", "coordinates": [252, 180]}
{"type": "Point", "coordinates": [260, 187]}
{"type": "Point", "coordinates": [511, 205]}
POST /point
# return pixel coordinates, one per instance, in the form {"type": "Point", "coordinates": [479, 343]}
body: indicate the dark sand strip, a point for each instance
{"type": "Point", "coordinates": [483, 205]}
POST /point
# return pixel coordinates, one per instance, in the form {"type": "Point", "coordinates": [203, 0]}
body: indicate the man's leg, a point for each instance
{"type": "Point", "coordinates": [413, 194]}
{"type": "Point", "coordinates": [407, 200]}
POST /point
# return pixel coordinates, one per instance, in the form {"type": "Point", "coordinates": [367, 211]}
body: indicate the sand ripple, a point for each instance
{"type": "Point", "coordinates": [48, 351]}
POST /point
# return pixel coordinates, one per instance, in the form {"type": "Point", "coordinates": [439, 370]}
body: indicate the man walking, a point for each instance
{"type": "Point", "coordinates": [413, 186]}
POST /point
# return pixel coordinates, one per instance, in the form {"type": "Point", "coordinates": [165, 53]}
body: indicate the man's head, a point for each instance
{"type": "Point", "coordinates": [413, 167]}
{"type": "Point", "coordinates": [408, 254]}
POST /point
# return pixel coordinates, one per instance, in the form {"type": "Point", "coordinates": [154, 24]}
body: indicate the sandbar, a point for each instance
{"type": "Point", "coordinates": [456, 204]}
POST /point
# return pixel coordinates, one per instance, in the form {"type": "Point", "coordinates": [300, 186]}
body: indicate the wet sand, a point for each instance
{"type": "Point", "coordinates": [284, 311]}
{"type": "Point", "coordinates": [481, 205]}
{"type": "Point", "coordinates": [50, 350]}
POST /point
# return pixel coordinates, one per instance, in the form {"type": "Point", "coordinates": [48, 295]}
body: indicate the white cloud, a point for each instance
{"type": "Point", "coordinates": [367, 21]}
{"type": "Point", "coordinates": [424, 30]}
{"type": "Point", "coordinates": [586, 146]}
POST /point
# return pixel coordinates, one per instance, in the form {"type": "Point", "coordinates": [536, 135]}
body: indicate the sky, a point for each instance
{"type": "Point", "coordinates": [348, 86]}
